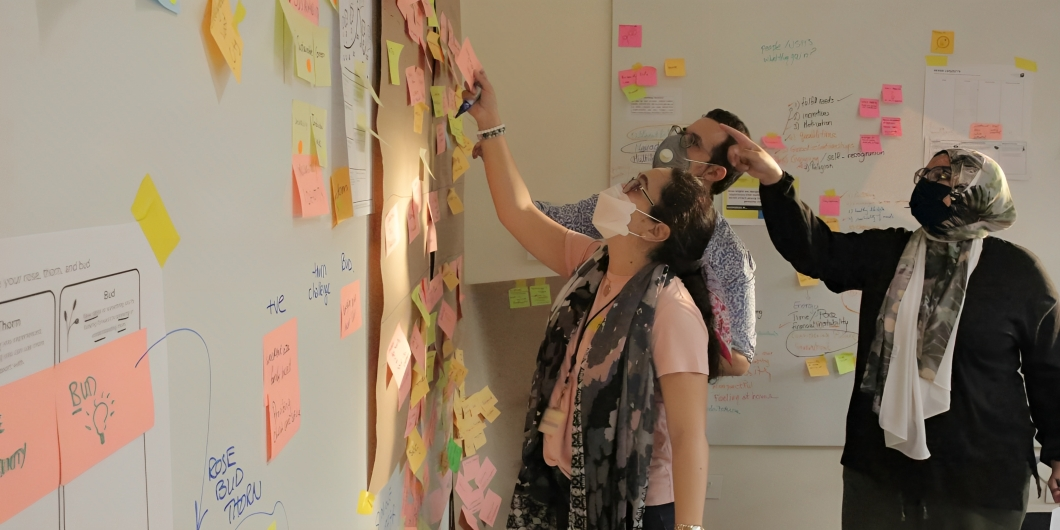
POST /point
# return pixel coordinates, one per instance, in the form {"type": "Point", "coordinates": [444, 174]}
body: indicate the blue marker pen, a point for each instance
{"type": "Point", "coordinates": [468, 102]}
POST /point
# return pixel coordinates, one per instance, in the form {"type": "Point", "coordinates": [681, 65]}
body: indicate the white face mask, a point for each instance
{"type": "Point", "coordinates": [613, 213]}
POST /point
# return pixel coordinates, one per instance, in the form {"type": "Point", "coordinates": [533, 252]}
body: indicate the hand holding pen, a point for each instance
{"type": "Point", "coordinates": [482, 103]}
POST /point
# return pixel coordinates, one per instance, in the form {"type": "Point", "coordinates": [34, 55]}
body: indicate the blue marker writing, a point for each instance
{"type": "Point", "coordinates": [468, 102]}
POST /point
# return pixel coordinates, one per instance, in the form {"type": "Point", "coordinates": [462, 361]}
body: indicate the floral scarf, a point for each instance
{"type": "Point", "coordinates": [615, 414]}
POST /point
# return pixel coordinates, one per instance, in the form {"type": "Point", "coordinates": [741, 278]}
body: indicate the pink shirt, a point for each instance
{"type": "Point", "coordinates": [679, 342]}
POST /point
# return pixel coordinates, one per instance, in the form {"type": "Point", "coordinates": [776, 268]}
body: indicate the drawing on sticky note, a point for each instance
{"type": "Point", "coordinates": [941, 41]}
{"type": "Point", "coordinates": [629, 36]}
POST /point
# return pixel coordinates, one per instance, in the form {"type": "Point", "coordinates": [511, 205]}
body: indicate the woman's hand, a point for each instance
{"type": "Point", "coordinates": [748, 157]}
{"type": "Point", "coordinates": [485, 110]}
{"type": "Point", "coordinates": [1054, 481]}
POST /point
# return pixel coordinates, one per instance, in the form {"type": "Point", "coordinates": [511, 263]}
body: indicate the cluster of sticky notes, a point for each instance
{"type": "Point", "coordinates": [817, 366]}
{"type": "Point", "coordinates": [224, 28]}
{"type": "Point", "coordinates": [470, 415]}
{"type": "Point", "coordinates": [806, 281]}
{"type": "Point", "coordinates": [310, 42]}
{"type": "Point", "coordinates": [478, 501]}
{"type": "Point", "coordinates": [773, 141]}
{"type": "Point", "coordinates": [308, 151]}
{"type": "Point", "coordinates": [523, 295]}
{"type": "Point", "coordinates": [633, 81]}
{"type": "Point", "coordinates": [151, 214]}
{"type": "Point", "coordinates": [283, 409]}
{"type": "Point", "coordinates": [985, 131]}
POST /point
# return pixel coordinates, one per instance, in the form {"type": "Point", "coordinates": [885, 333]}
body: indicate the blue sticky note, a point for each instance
{"type": "Point", "coordinates": [172, 5]}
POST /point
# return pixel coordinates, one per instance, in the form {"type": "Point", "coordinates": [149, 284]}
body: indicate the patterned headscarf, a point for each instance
{"type": "Point", "coordinates": [614, 416]}
{"type": "Point", "coordinates": [981, 204]}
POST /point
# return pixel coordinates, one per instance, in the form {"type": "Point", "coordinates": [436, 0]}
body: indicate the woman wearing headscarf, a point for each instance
{"type": "Point", "coordinates": [615, 433]}
{"type": "Point", "coordinates": [940, 425]}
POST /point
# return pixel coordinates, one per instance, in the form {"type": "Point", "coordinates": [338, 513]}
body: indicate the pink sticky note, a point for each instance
{"type": "Point", "coordinates": [392, 229]}
{"type": "Point", "coordinates": [892, 93]}
{"type": "Point", "coordinates": [435, 289]}
{"type": "Point", "coordinates": [468, 64]}
{"type": "Point", "coordinates": [470, 468]}
{"type": "Point", "coordinates": [626, 78]}
{"type": "Point", "coordinates": [486, 472]}
{"type": "Point", "coordinates": [869, 108]}
{"type": "Point", "coordinates": [891, 126]}
{"type": "Point", "coordinates": [406, 8]}
{"type": "Point", "coordinates": [647, 76]}
{"type": "Point", "coordinates": [439, 138]}
{"type": "Point", "coordinates": [447, 319]}
{"type": "Point", "coordinates": [414, 24]}
{"type": "Point", "coordinates": [432, 237]}
{"type": "Point", "coordinates": [350, 309]}
{"type": "Point", "coordinates": [31, 439]}
{"type": "Point", "coordinates": [419, 349]}
{"type": "Point", "coordinates": [437, 501]}
{"type": "Point", "coordinates": [629, 36]}
{"type": "Point", "coordinates": [985, 131]}
{"type": "Point", "coordinates": [491, 504]}
{"type": "Point", "coordinates": [829, 206]}
{"type": "Point", "coordinates": [398, 353]}
{"type": "Point", "coordinates": [472, 523]}
{"type": "Point", "coordinates": [471, 54]}
{"type": "Point", "coordinates": [471, 497]}
{"type": "Point", "coordinates": [453, 43]}
{"type": "Point", "coordinates": [404, 388]}
{"type": "Point", "coordinates": [413, 418]}
{"type": "Point", "coordinates": [102, 401]}
{"type": "Point", "coordinates": [311, 198]}
{"type": "Point", "coordinates": [432, 205]}
{"type": "Point", "coordinates": [870, 143]}
{"type": "Point", "coordinates": [414, 79]}
{"type": "Point", "coordinates": [412, 220]}
{"type": "Point", "coordinates": [773, 141]}
{"type": "Point", "coordinates": [283, 409]}
{"type": "Point", "coordinates": [309, 8]}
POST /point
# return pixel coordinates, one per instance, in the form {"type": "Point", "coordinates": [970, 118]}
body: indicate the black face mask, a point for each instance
{"type": "Point", "coordinates": [927, 206]}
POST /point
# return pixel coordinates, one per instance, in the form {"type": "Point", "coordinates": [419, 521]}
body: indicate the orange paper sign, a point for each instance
{"type": "Point", "coordinates": [29, 442]}
{"type": "Point", "coordinates": [283, 404]}
{"type": "Point", "coordinates": [985, 131]}
{"type": "Point", "coordinates": [103, 401]}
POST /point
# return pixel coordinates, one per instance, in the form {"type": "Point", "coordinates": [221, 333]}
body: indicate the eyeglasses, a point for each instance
{"type": "Point", "coordinates": [935, 174]}
{"type": "Point", "coordinates": [689, 139]}
{"type": "Point", "coordinates": [635, 184]}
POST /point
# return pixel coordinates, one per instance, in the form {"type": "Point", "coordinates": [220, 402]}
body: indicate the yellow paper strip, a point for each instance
{"type": "Point", "coordinates": [937, 60]}
{"type": "Point", "coordinates": [150, 212]}
{"type": "Point", "coordinates": [1026, 64]}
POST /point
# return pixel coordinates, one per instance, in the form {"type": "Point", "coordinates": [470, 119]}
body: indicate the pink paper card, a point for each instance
{"type": "Point", "coordinates": [412, 220]}
{"type": "Point", "coordinates": [491, 504]}
{"type": "Point", "coordinates": [432, 237]}
{"type": "Point", "coordinates": [985, 131]}
{"type": "Point", "coordinates": [472, 523]}
{"type": "Point", "coordinates": [891, 126]}
{"type": "Point", "coordinates": [27, 417]}
{"type": "Point", "coordinates": [869, 108]}
{"type": "Point", "coordinates": [404, 388]}
{"type": "Point", "coordinates": [470, 468]}
{"type": "Point", "coordinates": [870, 143]}
{"type": "Point", "coordinates": [437, 501]}
{"type": "Point", "coordinates": [392, 229]}
{"type": "Point", "coordinates": [350, 309]}
{"type": "Point", "coordinates": [406, 8]}
{"type": "Point", "coordinates": [475, 64]}
{"type": "Point", "coordinates": [447, 319]}
{"type": "Point", "coordinates": [647, 76]}
{"type": "Point", "coordinates": [102, 401]}
{"type": "Point", "coordinates": [773, 141]}
{"type": "Point", "coordinates": [283, 411]}
{"type": "Point", "coordinates": [892, 93]}
{"type": "Point", "coordinates": [435, 289]}
{"type": "Point", "coordinates": [439, 138]}
{"type": "Point", "coordinates": [626, 78]}
{"type": "Point", "coordinates": [829, 206]}
{"type": "Point", "coordinates": [398, 353]}
{"type": "Point", "coordinates": [466, 66]}
{"type": "Point", "coordinates": [311, 198]}
{"type": "Point", "coordinates": [419, 349]}
{"type": "Point", "coordinates": [309, 8]}
{"type": "Point", "coordinates": [432, 205]}
{"type": "Point", "coordinates": [414, 79]}
{"type": "Point", "coordinates": [471, 497]}
{"type": "Point", "coordinates": [454, 45]}
{"type": "Point", "coordinates": [629, 36]}
{"type": "Point", "coordinates": [413, 418]}
{"type": "Point", "coordinates": [486, 472]}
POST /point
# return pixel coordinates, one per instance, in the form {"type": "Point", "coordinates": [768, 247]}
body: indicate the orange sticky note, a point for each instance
{"type": "Point", "coordinates": [29, 441]}
{"type": "Point", "coordinates": [985, 131]}
{"type": "Point", "coordinates": [674, 67]}
{"type": "Point", "coordinates": [773, 141]}
{"type": "Point", "coordinates": [831, 222]}
{"type": "Point", "coordinates": [223, 30]}
{"type": "Point", "coordinates": [460, 164]}
{"type": "Point", "coordinates": [806, 281]}
{"type": "Point", "coordinates": [283, 403]}
{"type": "Point", "coordinates": [350, 309]}
{"type": "Point", "coordinates": [941, 41]}
{"type": "Point", "coordinates": [817, 366]}
{"type": "Point", "coordinates": [466, 63]}
{"type": "Point", "coordinates": [310, 198]}
{"type": "Point", "coordinates": [103, 401]}
{"type": "Point", "coordinates": [455, 204]}
{"type": "Point", "coordinates": [341, 196]}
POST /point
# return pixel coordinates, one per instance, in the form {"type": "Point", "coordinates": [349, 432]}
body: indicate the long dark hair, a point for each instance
{"type": "Point", "coordinates": [687, 208]}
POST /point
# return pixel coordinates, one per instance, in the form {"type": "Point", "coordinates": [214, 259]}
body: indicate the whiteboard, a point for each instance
{"type": "Point", "coordinates": [773, 64]}
{"type": "Point", "coordinates": [102, 93]}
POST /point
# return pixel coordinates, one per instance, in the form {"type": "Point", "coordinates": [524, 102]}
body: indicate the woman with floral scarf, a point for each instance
{"type": "Point", "coordinates": [959, 351]}
{"type": "Point", "coordinates": [615, 433]}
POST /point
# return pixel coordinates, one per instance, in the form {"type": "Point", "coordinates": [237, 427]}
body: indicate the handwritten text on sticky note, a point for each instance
{"type": "Point", "coordinates": [892, 93]}
{"type": "Point", "coordinates": [891, 126]}
{"type": "Point", "coordinates": [869, 108]}
{"type": "Point", "coordinates": [629, 36]}
{"type": "Point", "coordinates": [870, 143]}
{"type": "Point", "coordinates": [985, 131]}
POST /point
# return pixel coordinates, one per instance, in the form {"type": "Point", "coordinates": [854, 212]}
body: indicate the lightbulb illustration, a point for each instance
{"type": "Point", "coordinates": [100, 415]}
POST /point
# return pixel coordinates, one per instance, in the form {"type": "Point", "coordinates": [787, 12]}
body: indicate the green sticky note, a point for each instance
{"type": "Point", "coordinates": [634, 92]}
{"type": "Point", "coordinates": [845, 362]}
{"type": "Point", "coordinates": [540, 295]}
{"type": "Point", "coordinates": [431, 327]}
{"type": "Point", "coordinates": [417, 298]}
{"type": "Point", "coordinates": [518, 297]}
{"type": "Point", "coordinates": [455, 452]}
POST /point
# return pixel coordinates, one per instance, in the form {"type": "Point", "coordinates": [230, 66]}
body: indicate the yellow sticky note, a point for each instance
{"type": "Point", "coordinates": [941, 41]}
{"type": "Point", "coordinates": [303, 36]}
{"type": "Point", "coordinates": [420, 386]}
{"type": "Point", "coordinates": [818, 366]}
{"type": "Point", "coordinates": [845, 362]}
{"type": "Point", "coordinates": [393, 53]}
{"type": "Point", "coordinates": [226, 35]}
{"type": "Point", "coordinates": [321, 57]}
{"type": "Point", "coordinates": [806, 281]}
{"type": "Point", "coordinates": [456, 128]}
{"type": "Point", "coordinates": [366, 503]}
{"type": "Point", "coordinates": [518, 297]}
{"type": "Point", "coordinates": [432, 327]}
{"type": "Point", "coordinates": [432, 14]}
{"type": "Point", "coordinates": [341, 196]}
{"type": "Point", "coordinates": [438, 99]}
{"type": "Point", "coordinates": [634, 92]}
{"type": "Point", "coordinates": [829, 193]}
{"type": "Point", "coordinates": [832, 223]}
{"type": "Point", "coordinates": [460, 164]}
{"type": "Point", "coordinates": [148, 210]}
{"type": "Point", "coordinates": [450, 279]}
{"type": "Point", "coordinates": [272, 526]}
{"type": "Point", "coordinates": [1026, 64]}
{"type": "Point", "coordinates": [674, 67]}
{"type": "Point", "coordinates": [301, 128]}
{"type": "Point", "coordinates": [435, 46]}
{"type": "Point", "coordinates": [426, 163]}
{"type": "Point", "coordinates": [455, 204]}
{"type": "Point", "coordinates": [360, 72]}
{"type": "Point", "coordinates": [936, 60]}
{"type": "Point", "coordinates": [318, 127]}
{"type": "Point", "coordinates": [415, 450]}
{"type": "Point", "coordinates": [417, 119]}
{"type": "Point", "coordinates": [637, 66]}
{"type": "Point", "coordinates": [540, 293]}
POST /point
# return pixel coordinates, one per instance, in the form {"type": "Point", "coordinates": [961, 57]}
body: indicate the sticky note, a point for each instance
{"type": "Point", "coordinates": [412, 220]}
{"type": "Point", "coordinates": [150, 213]}
{"type": "Point", "coordinates": [350, 309]}
{"type": "Point", "coordinates": [311, 199]}
{"type": "Point", "coordinates": [817, 366]}
{"type": "Point", "coordinates": [432, 326]}
{"type": "Point", "coordinates": [892, 93]}
{"type": "Point", "coordinates": [417, 118]}
{"type": "Point", "coordinates": [831, 222]}
{"type": "Point", "coordinates": [806, 281]}
{"type": "Point", "coordinates": [420, 386]}
{"type": "Point", "coordinates": [392, 230]}
{"type": "Point", "coordinates": [985, 131]}
{"type": "Point", "coordinates": [283, 409]}
{"type": "Point", "coordinates": [416, 344]}
{"type": "Point", "coordinates": [360, 72]}
{"type": "Point", "coordinates": [414, 78]}
{"type": "Point", "coordinates": [455, 204]}
{"type": "Point", "coordinates": [1026, 64]}
{"type": "Point", "coordinates": [415, 450]}
{"type": "Point", "coordinates": [830, 192]}
{"type": "Point", "coordinates": [773, 141]}
{"type": "Point", "coordinates": [431, 357]}
{"type": "Point", "coordinates": [870, 143]}
{"type": "Point", "coordinates": [540, 293]}
{"type": "Point", "coordinates": [936, 60]}
{"type": "Point", "coordinates": [318, 126]}
{"type": "Point", "coordinates": [438, 99]}
{"type": "Point", "coordinates": [456, 127]}
{"type": "Point", "coordinates": [869, 108]}
{"type": "Point", "coordinates": [398, 353]}
{"type": "Point", "coordinates": [417, 299]}
{"type": "Point", "coordinates": [491, 504]}
{"type": "Point", "coordinates": [486, 471]}
{"type": "Point", "coordinates": [308, 8]}
{"type": "Point", "coordinates": [647, 76]}
{"type": "Point", "coordinates": [341, 196]}
{"type": "Point", "coordinates": [845, 362]}
{"type": "Point", "coordinates": [435, 46]}
{"type": "Point", "coordinates": [432, 206]}
{"type": "Point", "coordinates": [941, 41]}
{"type": "Point", "coordinates": [30, 439]}
{"type": "Point", "coordinates": [223, 29]}
{"type": "Point", "coordinates": [321, 57]}
{"type": "Point", "coordinates": [450, 279]}
{"type": "Point", "coordinates": [465, 62]}
{"type": "Point", "coordinates": [519, 296]}
{"type": "Point", "coordinates": [460, 164]}
{"type": "Point", "coordinates": [432, 15]}
{"type": "Point", "coordinates": [447, 319]}
{"type": "Point", "coordinates": [891, 126]}
{"type": "Point", "coordinates": [829, 205]}
{"type": "Point", "coordinates": [301, 128]}
{"type": "Point", "coordinates": [174, 6]}
{"type": "Point", "coordinates": [629, 36]}
{"type": "Point", "coordinates": [674, 67]}
{"type": "Point", "coordinates": [627, 78]}
{"type": "Point", "coordinates": [453, 454]}
{"type": "Point", "coordinates": [634, 92]}
{"type": "Point", "coordinates": [393, 53]}
{"type": "Point", "coordinates": [365, 503]}
{"type": "Point", "coordinates": [435, 290]}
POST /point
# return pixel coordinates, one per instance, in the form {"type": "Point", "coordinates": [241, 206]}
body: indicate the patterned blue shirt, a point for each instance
{"type": "Point", "coordinates": [726, 260]}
